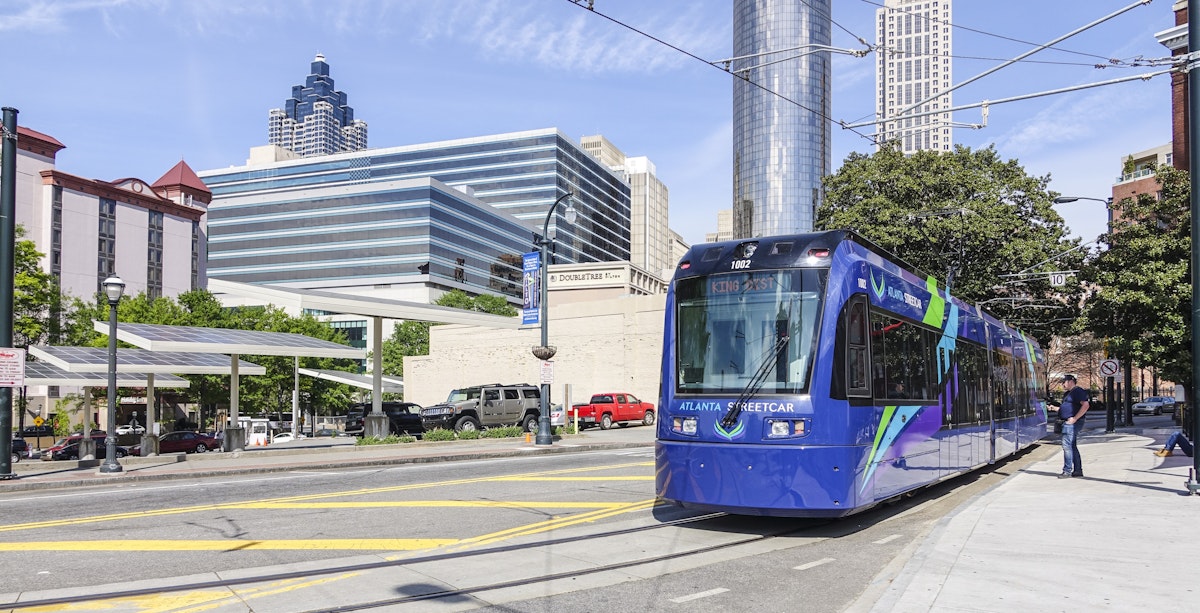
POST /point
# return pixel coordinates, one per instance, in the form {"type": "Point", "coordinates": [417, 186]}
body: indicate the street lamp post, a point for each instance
{"type": "Point", "coordinates": [113, 288]}
{"type": "Point", "coordinates": [544, 351]}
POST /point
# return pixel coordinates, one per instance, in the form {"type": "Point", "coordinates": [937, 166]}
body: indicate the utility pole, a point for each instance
{"type": "Point", "coordinates": [8, 237]}
{"type": "Point", "coordinates": [1193, 97]}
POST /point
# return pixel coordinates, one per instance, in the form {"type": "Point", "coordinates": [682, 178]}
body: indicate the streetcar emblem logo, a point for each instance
{"type": "Point", "coordinates": [737, 432]}
{"type": "Point", "coordinates": [878, 287]}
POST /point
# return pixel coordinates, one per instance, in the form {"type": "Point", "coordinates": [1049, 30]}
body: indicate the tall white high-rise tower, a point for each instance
{"type": "Point", "coordinates": [912, 70]}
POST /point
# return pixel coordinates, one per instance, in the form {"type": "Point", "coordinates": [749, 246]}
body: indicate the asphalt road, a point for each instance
{"type": "Point", "coordinates": [554, 512]}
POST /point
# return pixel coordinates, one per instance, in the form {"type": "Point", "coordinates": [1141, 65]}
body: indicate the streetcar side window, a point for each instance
{"type": "Point", "coordinates": [903, 360]}
{"type": "Point", "coordinates": [851, 377]}
{"type": "Point", "coordinates": [971, 402]}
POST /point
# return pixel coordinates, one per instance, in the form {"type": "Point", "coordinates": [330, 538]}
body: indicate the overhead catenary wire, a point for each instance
{"type": "Point", "coordinates": [999, 36]}
{"type": "Point", "coordinates": [590, 6]}
{"type": "Point", "coordinates": [904, 113]}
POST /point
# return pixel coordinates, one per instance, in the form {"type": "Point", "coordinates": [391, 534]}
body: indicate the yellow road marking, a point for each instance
{"type": "Point", "coordinates": [629, 478]}
{"type": "Point", "coordinates": [360, 492]}
{"type": "Point", "coordinates": [231, 545]}
{"type": "Point", "coordinates": [492, 504]}
{"type": "Point", "coordinates": [554, 524]}
{"type": "Point", "coordinates": [196, 601]}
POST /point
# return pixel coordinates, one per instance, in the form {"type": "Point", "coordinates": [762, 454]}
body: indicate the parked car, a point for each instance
{"type": "Point", "coordinates": [20, 449]}
{"type": "Point", "coordinates": [68, 448]}
{"type": "Point", "coordinates": [182, 441]}
{"type": "Point", "coordinates": [326, 433]}
{"type": "Point", "coordinates": [403, 418]}
{"type": "Point", "coordinates": [1155, 405]}
{"type": "Point", "coordinates": [285, 437]}
{"type": "Point", "coordinates": [620, 408]}
{"type": "Point", "coordinates": [36, 431]}
{"type": "Point", "coordinates": [129, 429]}
{"type": "Point", "coordinates": [486, 406]}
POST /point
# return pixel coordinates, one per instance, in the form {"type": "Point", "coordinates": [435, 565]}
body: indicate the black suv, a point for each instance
{"type": "Point", "coordinates": [20, 449]}
{"type": "Point", "coordinates": [403, 418]}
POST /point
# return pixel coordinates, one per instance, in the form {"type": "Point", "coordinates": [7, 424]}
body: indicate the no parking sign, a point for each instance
{"type": "Point", "coordinates": [1110, 368]}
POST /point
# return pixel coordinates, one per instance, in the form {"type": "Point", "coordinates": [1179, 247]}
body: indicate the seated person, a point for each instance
{"type": "Point", "coordinates": [1175, 439]}
{"type": "Point", "coordinates": [897, 391]}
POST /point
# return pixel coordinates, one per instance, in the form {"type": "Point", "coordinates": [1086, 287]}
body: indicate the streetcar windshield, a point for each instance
{"type": "Point", "coordinates": [728, 325]}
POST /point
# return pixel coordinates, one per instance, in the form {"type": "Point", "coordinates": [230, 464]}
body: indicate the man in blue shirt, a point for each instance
{"type": "Point", "coordinates": [1074, 405]}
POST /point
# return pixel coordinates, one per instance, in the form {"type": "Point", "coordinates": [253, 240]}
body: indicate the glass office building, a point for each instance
{"type": "Point", "coordinates": [358, 219]}
{"type": "Point", "coordinates": [781, 149]}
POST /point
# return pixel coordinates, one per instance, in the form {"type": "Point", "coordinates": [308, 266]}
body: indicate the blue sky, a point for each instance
{"type": "Point", "coordinates": [132, 86]}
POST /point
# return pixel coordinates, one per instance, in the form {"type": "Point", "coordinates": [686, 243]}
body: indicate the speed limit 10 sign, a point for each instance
{"type": "Point", "coordinates": [1110, 368]}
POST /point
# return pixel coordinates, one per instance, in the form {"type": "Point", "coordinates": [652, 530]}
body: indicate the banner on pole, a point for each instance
{"type": "Point", "coordinates": [531, 289]}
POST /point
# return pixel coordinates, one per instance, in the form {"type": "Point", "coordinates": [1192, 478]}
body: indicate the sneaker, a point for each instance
{"type": "Point", "coordinates": [1065, 476]}
{"type": "Point", "coordinates": [1163, 453]}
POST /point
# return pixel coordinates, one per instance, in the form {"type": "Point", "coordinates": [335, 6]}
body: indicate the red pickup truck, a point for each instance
{"type": "Point", "coordinates": [614, 407]}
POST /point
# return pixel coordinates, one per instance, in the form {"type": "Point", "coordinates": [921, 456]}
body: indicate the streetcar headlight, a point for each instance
{"type": "Point", "coordinates": [684, 425]}
{"type": "Point", "coordinates": [786, 428]}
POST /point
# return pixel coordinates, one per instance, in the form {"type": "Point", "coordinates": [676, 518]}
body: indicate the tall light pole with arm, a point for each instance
{"type": "Point", "coordinates": [545, 351]}
{"type": "Point", "coordinates": [114, 287]}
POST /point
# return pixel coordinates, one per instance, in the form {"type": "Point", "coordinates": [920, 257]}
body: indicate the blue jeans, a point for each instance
{"type": "Point", "coordinates": [1072, 463]}
{"type": "Point", "coordinates": [1177, 439]}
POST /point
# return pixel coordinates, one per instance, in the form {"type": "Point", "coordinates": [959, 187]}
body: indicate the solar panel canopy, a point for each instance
{"type": "Point", "coordinates": [390, 384]}
{"type": "Point", "coordinates": [371, 306]}
{"type": "Point", "coordinates": [42, 373]}
{"type": "Point", "coordinates": [190, 339]}
{"type": "Point", "coordinates": [95, 359]}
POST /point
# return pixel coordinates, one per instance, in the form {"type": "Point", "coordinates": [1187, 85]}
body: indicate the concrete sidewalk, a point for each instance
{"type": "Point", "coordinates": [337, 453]}
{"type": "Point", "coordinates": [1120, 538]}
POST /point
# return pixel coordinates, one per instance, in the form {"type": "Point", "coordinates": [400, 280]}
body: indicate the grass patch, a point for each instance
{"type": "Point", "coordinates": [439, 434]}
{"type": "Point", "coordinates": [467, 435]}
{"type": "Point", "coordinates": [387, 440]}
{"type": "Point", "coordinates": [505, 432]}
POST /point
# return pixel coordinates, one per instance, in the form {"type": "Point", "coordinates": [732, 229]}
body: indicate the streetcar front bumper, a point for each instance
{"type": "Point", "coordinates": [761, 479]}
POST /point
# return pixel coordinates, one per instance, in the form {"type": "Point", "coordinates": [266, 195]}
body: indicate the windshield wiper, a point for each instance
{"type": "Point", "coordinates": [756, 382]}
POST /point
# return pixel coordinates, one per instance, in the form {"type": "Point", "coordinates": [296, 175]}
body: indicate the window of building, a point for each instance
{"type": "Point", "coordinates": [154, 255]}
{"type": "Point", "coordinates": [106, 248]}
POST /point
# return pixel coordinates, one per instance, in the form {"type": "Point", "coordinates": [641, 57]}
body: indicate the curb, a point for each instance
{"type": "Point", "coordinates": [20, 485]}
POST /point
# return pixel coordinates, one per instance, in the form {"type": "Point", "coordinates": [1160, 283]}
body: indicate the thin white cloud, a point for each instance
{"type": "Point", "coordinates": [1072, 118]}
{"type": "Point", "coordinates": [51, 15]}
{"type": "Point", "coordinates": [524, 33]}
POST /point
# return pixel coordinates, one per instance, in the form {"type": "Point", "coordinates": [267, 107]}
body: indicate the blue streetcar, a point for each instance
{"type": "Point", "coordinates": [815, 376]}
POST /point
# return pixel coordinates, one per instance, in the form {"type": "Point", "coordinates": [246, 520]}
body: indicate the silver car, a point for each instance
{"type": "Point", "coordinates": [1155, 405]}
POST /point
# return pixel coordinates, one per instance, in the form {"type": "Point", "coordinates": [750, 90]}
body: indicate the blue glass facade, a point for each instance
{"type": "Point", "coordinates": [389, 232]}
{"type": "Point", "coordinates": [315, 220]}
{"type": "Point", "coordinates": [780, 150]}
{"type": "Point", "coordinates": [318, 87]}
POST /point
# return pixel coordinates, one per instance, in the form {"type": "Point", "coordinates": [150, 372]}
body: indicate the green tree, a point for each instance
{"type": "Point", "coordinates": [966, 215]}
{"type": "Point", "coordinates": [34, 294]}
{"type": "Point", "coordinates": [1140, 296]}
{"type": "Point", "coordinates": [412, 337]}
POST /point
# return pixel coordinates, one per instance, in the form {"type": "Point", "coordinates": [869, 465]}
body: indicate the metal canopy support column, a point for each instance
{"type": "Point", "coordinates": [235, 434]}
{"type": "Point", "coordinates": [87, 444]}
{"type": "Point", "coordinates": [150, 436]}
{"type": "Point", "coordinates": [296, 398]}
{"type": "Point", "coordinates": [376, 424]}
